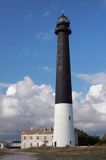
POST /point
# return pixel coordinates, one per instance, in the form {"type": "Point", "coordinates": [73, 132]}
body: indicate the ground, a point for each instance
{"type": "Point", "coordinates": [17, 155]}
{"type": "Point", "coordinates": [76, 153]}
{"type": "Point", "coordinates": [48, 153]}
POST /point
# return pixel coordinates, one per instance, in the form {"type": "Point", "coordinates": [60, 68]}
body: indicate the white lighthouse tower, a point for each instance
{"type": "Point", "coordinates": [63, 121]}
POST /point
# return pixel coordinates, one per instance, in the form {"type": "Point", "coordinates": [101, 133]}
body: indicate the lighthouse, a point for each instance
{"type": "Point", "coordinates": [63, 117]}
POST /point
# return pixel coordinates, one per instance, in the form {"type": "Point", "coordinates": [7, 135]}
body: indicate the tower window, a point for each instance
{"type": "Point", "coordinates": [69, 117]}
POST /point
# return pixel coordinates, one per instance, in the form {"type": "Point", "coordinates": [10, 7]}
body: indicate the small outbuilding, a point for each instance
{"type": "Point", "coordinates": [3, 144]}
{"type": "Point", "coordinates": [16, 144]}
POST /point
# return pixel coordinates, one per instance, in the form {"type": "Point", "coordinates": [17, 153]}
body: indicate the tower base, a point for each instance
{"type": "Point", "coordinates": [63, 126]}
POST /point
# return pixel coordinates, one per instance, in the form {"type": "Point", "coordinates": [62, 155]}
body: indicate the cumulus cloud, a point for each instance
{"type": "Point", "coordinates": [26, 103]}
{"type": "Point", "coordinates": [90, 112]}
{"type": "Point", "coordinates": [11, 90]}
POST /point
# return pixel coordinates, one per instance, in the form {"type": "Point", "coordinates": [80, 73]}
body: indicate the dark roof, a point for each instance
{"type": "Point", "coordinates": [38, 131]}
{"type": "Point", "coordinates": [16, 141]}
{"type": "Point", "coordinates": [2, 141]}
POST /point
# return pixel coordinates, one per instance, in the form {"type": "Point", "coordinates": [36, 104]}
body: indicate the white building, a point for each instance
{"type": "Point", "coordinates": [16, 144]}
{"type": "Point", "coordinates": [37, 137]}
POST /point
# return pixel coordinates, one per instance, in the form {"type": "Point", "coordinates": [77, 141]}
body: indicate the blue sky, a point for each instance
{"type": "Point", "coordinates": [28, 43]}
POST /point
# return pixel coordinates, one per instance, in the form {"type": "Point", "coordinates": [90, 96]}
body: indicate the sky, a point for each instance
{"type": "Point", "coordinates": [28, 63]}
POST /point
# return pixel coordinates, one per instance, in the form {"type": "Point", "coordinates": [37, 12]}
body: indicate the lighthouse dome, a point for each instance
{"type": "Point", "coordinates": [63, 24]}
{"type": "Point", "coordinates": [63, 18]}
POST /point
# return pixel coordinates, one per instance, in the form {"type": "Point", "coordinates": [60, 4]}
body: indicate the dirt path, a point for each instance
{"type": "Point", "coordinates": [19, 156]}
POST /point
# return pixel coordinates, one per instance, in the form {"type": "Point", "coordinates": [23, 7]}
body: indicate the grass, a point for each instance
{"type": "Point", "coordinates": [6, 151]}
{"type": "Point", "coordinates": [2, 152]}
{"type": "Point", "coordinates": [74, 153]}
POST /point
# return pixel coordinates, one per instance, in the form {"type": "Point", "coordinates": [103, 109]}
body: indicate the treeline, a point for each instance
{"type": "Point", "coordinates": [84, 139]}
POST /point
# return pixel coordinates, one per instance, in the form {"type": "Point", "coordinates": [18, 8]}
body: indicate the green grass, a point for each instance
{"type": "Point", "coordinates": [76, 153]}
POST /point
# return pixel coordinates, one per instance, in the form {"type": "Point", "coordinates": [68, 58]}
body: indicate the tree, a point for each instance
{"type": "Point", "coordinates": [85, 139]}
{"type": "Point", "coordinates": [103, 139]}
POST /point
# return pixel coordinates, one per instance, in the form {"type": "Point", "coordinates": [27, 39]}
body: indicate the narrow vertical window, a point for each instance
{"type": "Point", "coordinates": [69, 117]}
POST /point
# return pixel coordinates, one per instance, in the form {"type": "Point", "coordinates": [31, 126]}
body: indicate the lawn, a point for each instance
{"type": "Point", "coordinates": [76, 153]}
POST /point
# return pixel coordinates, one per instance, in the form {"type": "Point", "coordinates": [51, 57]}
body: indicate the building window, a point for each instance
{"type": "Point", "coordinates": [31, 145]}
{"type": "Point", "coordinates": [37, 144]}
{"type": "Point", "coordinates": [55, 144]}
{"type": "Point", "coordinates": [31, 137]}
{"type": "Point", "coordinates": [70, 142]}
{"type": "Point", "coordinates": [37, 137]}
{"type": "Point", "coordinates": [24, 137]}
{"type": "Point", "coordinates": [69, 117]}
{"type": "Point", "coordinates": [44, 137]}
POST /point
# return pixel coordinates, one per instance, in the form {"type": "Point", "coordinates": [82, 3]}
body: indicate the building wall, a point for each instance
{"type": "Point", "coordinates": [16, 145]}
{"type": "Point", "coordinates": [36, 140]}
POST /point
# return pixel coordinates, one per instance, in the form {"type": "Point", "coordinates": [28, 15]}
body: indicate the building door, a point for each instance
{"type": "Point", "coordinates": [55, 144]}
{"type": "Point", "coordinates": [37, 144]}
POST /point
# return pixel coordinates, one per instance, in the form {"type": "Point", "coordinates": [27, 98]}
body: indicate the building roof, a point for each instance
{"type": "Point", "coordinates": [16, 141]}
{"type": "Point", "coordinates": [38, 131]}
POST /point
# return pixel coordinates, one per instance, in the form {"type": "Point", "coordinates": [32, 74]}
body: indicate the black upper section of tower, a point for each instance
{"type": "Point", "coordinates": [63, 73]}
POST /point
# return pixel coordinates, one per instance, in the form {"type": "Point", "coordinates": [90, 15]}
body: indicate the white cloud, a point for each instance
{"type": "Point", "coordinates": [44, 36]}
{"type": "Point", "coordinates": [11, 90]}
{"type": "Point", "coordinates": [45, 68]}
{"type": "Point", "coordinates": [93, 78]}
{"type": "Point", "coordinates": [30, 104]}
{"type": "Point", "coordinates": [90, 111]}
{"type": "Point", "coordinates": [46, 14]}
{"type": "Point", "coordinates": [9, 106]}
{"type": "Point", "coordinates": [26, 103]}
{"type": "Point", "coordinates": [95, 90]}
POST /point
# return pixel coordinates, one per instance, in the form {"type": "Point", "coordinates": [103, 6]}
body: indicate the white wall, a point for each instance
{"type": "Point", "coordinates": [28, 141]}
{"type": "Point", "coordinates": [1, 145]}
{"type": "Point", "coordinates": [63, 125]}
